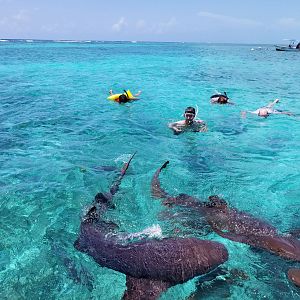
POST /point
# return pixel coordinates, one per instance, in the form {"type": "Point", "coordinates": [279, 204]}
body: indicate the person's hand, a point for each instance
{"type": "Point", "coordinates": [203, 129]}
{"type": "Point", "coordinates": [177, 131]}
{"type": "Point", "coordinates": [243, 114]}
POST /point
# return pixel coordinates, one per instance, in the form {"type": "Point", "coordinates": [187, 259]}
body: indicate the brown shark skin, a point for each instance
{"type": "Point", "coordinates": [233, 224]}
{"type": "Point", "coordinates": [175, 260]}
{"type": "Point", "coordinates": [144, 289]}
{"type": "Point", "coordinates": [294, 276]}
{"type": "Point", "coordinates": [151, 265]}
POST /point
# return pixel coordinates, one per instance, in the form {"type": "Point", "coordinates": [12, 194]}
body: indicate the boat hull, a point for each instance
{"type": "Point", "coordinates": [284, 48]}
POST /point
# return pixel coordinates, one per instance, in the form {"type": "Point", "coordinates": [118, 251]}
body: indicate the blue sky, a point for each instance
{"type": "Point", "coordinates": [234, 21]}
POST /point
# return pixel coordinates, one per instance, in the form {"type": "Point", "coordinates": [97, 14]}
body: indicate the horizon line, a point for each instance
{"type": "Point", "coordinates": [125, 41]}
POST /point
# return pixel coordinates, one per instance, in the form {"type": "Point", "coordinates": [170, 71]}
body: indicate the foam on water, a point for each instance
{"type": "Point", "coordinates": [55, 117]}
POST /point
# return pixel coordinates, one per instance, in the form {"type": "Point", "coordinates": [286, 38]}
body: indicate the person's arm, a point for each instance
{"type": "Point", "coordinates": [203, 128]}
{"type": "Point", "coordinates": [200, 126]}
{"type": "Point", "coordinates": [175, 126]}
{"type": "Point", "coordinates": [283, 113]}
{"type": "Point", "coordinates": [270, 105]}
{"type": "Point", "coordinates": [214, 100]}
{"type": "Point", "coordinates": [135, 96]}
{"type": "Point", "coordinates": [244, 113]}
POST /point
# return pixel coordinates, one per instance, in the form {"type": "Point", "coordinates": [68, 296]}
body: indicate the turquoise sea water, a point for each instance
{"type": "Point", "coordinates": [57, 129]}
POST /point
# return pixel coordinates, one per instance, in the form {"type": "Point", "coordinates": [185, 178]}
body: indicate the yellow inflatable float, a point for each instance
{"type": "Point", "coordinates": [115, 97]}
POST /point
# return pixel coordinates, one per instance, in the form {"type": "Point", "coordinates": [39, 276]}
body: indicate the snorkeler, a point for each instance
{"type": "Point", "coordinates": [220, 99]}
{"type": "Point", "coordinates": [265, 111]}
{"type": "Point", "coordinates": [189, 124]}
{"type": "Point", "coordinates": [123, 98]}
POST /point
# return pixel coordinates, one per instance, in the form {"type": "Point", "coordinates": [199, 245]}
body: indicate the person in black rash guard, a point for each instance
{"type": "Point", "coordinates": [220, 99]}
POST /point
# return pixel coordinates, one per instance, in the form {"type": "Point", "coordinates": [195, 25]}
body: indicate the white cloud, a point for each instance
{"type": "Point", "coordinates": [143, 26]}
{"type": "Point", "coordinates": [228, 19]}
{"type": "Point", "coordinates": [119, 25]}
{"type": "Point", "coordinates": [158, 28]}
{"type": "Point", "coordinates": [164, 27]}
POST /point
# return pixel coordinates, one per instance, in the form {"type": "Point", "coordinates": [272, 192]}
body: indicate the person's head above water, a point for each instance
{"type": "Point", "coordinates": [123, 98]}
{"type": "Point", "coordinates": [263, 112]}
{"type": "Point", "coordinates": [223, 99]}
{"type": "Point", "coordinates": [189, 114]}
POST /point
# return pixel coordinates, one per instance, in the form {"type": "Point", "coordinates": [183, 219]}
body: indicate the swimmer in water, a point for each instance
{"type": "Point", "coordinates": [267, 110]}
{"type": "Point", "coordinates": [220, 99]}
{"type": "Point", "coordinates": [189, 124]}
{"type": "Point", "coordinates": [123, 98]}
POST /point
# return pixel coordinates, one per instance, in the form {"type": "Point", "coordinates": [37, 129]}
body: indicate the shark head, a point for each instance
{"type": "Point", "coordinates": [294, 276]}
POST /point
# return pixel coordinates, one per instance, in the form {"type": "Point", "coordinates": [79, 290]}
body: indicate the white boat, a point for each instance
{"type": "Point", "coordinates": [286, 48]}
{"type": "Point", "coordinates": [293, 46]}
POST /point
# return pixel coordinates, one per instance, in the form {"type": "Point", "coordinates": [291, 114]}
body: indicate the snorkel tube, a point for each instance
{"type": "Point", "coordinates": [197, 110]}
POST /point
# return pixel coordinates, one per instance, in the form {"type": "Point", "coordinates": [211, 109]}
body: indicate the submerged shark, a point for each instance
{"type": "Point", "coordinates": [151, 266]}
{"type": "Point", "coordinates": [294, 276]}
{"type": "Point", "coordinates": [232, 224]}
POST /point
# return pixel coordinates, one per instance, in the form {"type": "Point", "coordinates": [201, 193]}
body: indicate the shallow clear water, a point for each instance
{"type": "Point", "coordinates": [57, 127]}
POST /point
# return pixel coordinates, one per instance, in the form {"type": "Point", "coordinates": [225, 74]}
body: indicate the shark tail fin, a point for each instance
{"type": "Point", "coordinates": [115, 187]}
{"type": "Point", "coordinates": [156, 190]}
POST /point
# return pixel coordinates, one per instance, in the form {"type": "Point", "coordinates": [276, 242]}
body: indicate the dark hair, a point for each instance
{"type": "Point", "coordinates": [190, 110]}
{"type": "Point", "coordinates": [123, 98]}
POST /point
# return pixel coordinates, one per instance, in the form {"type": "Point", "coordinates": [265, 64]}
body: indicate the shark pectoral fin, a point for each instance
{"type": "Point", "coordinates": [142, 288]}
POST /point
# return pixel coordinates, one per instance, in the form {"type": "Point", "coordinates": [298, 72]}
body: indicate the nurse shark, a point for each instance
{"type": "Point", "coordinates": [151, 266]}
{"type": "Point", "coordinates": [232, 224]}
